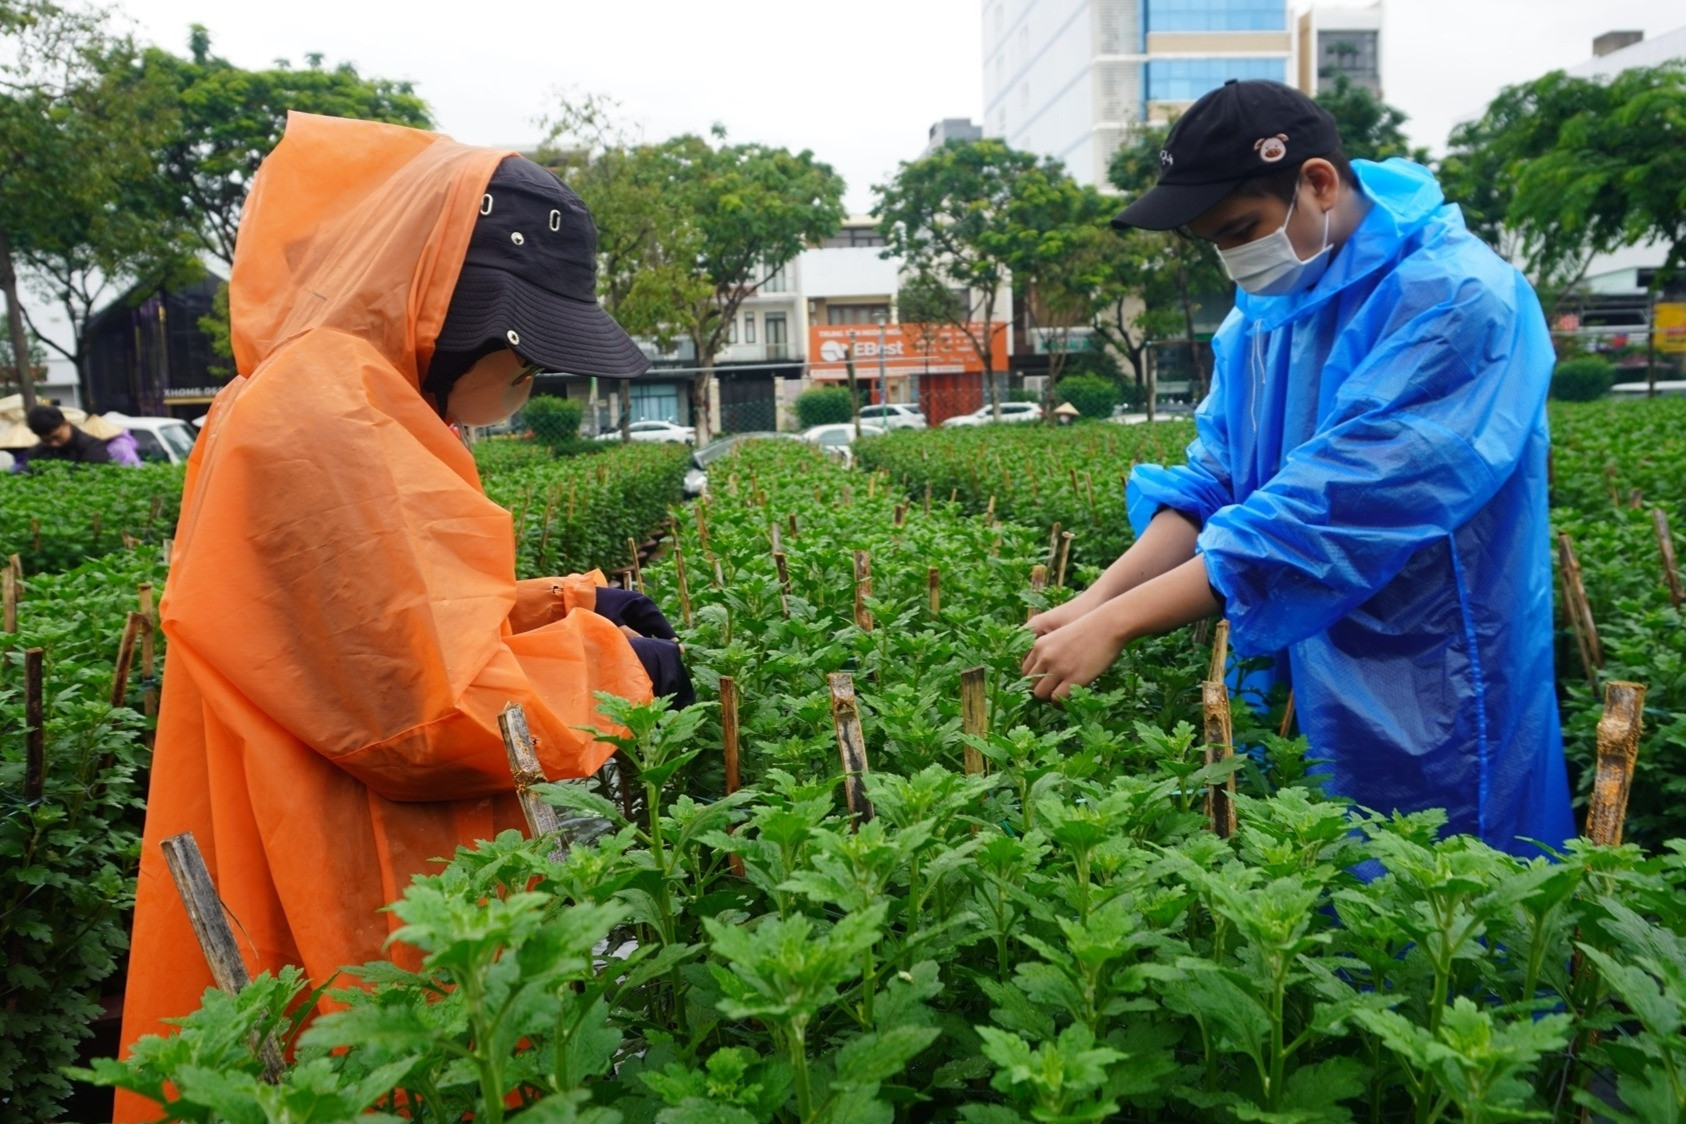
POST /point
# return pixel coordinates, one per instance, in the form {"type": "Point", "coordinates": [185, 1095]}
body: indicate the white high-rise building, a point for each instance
{"type": "Point", "coordinates": [1068, 78]}
{"type": "Point", "coordinates": [1332, 42]}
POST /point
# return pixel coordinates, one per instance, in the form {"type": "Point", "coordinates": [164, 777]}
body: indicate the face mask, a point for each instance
{"type": "Point", "coordinates": [487, 394]}
{"type": "Point", "coordinates": [1270, 267]}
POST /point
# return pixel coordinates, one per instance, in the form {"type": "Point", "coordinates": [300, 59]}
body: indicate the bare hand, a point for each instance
{"type": "Point", "coordinates": [1058, 617]}
{"type": "Point", "coordinates": [1072, 656]}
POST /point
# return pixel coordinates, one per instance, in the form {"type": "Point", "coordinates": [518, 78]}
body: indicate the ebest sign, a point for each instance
{"type": "Point", "coordinates": [909, 349]}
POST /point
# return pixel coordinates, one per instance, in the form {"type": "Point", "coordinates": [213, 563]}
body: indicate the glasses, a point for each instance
{"type": "Point", "coordinates": [528, 372]}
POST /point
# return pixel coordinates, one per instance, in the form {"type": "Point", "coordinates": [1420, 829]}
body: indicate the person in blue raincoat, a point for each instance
{"type": "Point", "coordinates": [1365, 499]}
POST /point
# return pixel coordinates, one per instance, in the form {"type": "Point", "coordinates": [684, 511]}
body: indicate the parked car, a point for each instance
{"type": "Point", "coordinates": [654, 431]}
{"type": "Point", "coordinates": [835, 438]}
{"type": "Point", "coordinates": [696, 480]}
{"type": "Point", "coordinates": [1010, 412]}
{"type": "Point", "coordinates": [895, 415]}
{"type": "Point", "coordinates": [157, 440]}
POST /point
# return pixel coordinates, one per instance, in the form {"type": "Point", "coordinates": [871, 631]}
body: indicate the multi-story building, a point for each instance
{"type": "Point", "coordinates": [1070, 78]}
{"type": "Point", "coordinates": [1334, 42]}
{"type": "Point", "coordinates": [952, 128]}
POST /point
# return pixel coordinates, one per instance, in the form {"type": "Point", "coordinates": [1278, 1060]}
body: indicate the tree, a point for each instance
{"type": "Point", "coordinates": [1173, 276]}
{"type": "Point", "coordinates": [948, 215]}
{"type": "Point", "coordinates": [1370, 128]}
{"type": "Point", "coordinates": [925, 306]}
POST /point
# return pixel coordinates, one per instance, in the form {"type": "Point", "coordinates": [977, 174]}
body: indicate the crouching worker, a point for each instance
{"type": "Point", "coordinates": [1365, 499]}
{"type": "Point", "coordinates": [343, 615]}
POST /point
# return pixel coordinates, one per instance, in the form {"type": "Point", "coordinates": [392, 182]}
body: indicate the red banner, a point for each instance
{"type": "Point", "coordinates": [909, 349]}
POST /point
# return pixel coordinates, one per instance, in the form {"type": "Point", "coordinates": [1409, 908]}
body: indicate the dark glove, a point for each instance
{"type": "Point", "coordinates": [636, 611]}
{"type": "Point", "coordinates": [665, 666]}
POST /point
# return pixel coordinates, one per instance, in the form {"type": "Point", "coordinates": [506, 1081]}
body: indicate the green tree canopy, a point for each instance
{"type": "Point", "coordinates": [1371, 129]}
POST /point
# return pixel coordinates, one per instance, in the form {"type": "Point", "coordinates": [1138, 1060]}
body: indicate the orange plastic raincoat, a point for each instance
{"type": "Point", "coordinates": [342, 611]}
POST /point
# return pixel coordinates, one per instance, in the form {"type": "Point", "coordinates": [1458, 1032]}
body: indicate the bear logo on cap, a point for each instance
{"type": "Point", "coordinates": [1272, 149]}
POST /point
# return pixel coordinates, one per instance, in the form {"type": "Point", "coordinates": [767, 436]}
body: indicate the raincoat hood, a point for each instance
{"type": "Point", "coordinates": [1404, 198]}
{"type": "Point", "coordinates": [358, 227]}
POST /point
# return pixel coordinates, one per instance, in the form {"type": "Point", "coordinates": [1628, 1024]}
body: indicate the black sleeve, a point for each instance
{"type": "Point", "coordinates": [93, 450]}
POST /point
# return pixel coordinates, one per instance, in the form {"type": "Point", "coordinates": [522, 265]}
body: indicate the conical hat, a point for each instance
{"type": "Point", "coordinates": [95, 426]}
{"type": "Point", "coordinates": [16, 435]}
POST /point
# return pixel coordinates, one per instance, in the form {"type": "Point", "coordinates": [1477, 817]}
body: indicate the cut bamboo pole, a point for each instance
{"type": "Point", "coordinates": [719, 578]}
{"type": "Point", "coordinates": [872, 486]}
{"type": "Point", "coordinates": [1578, 610]}
{"type": "Point", "coordinates": [1618, 750]}
{"type": "Point", "coordinates": [1065, 555]}
{"type": "Point", "coordinates": [126, 657]}
{"type": "Point", "coordinates": [851, 746]}
{"type": "Point", "coordinates": [35, 536]}
{"type": "Point", "coordinates": [773, 537]}
{"type": "Point", "coordinates": [782, 565]}
{"type": "Point", "coordinates": [149, 660]}
{"type": "Point", "coordinates": [927, 497]}
{"type": "Point", "coordinates": [9, 600]}
{"type": "Point", "coordinates": [989, 512]}
{"type": "Point", "coordinates": [96, 526]}
{"type": "Point", "coordinates": [34, 721]}
{"type": "Point", "coordinates": [637, 569]}
{"type": "Point", "coordinates": [974, 715]}
{"type": "Point", "coordinates": [702, 525]}
{"type": "Point", "coordinates": [1287, 716]}
{"type": "Point", "coordinates": [1072, 469]}
{"type": "Point", "coordinates": [1220, 807]}
{"type": "Point", "coordinates": [168, 554]}
{"type": "Point", "coordinates": [900, 516]}
{"type": "Point", "coordinates": [863, 590]}
{"type": "Point", "coordinates": [16, 564]}
{"type": "Point", "coordinates": [1636, 499]}
{"type": "Point", "coordinates": [210, 925]}
{"type": "Point", "coordinates": [542, 819]}
{"type": "Point", "coordinates": [729, 744]}
{"type": "Point", "coordinates": [954, 493]}
{"type": "Point", "coordinates": [1089, 487]}
{"type": "Point", "coordinates": [1671, 570]}
{"type": "Point", "coordinates": [679, 576]}
{"type": "Point", "coordinates": [1219, 667]}
{"type": "Point", "coordinates": [1038, 582]}
{"type": "Point", "coordinates": [934, 587]}
{"type": "Point", "coordinates": [1053, 546]}
{"type": "Point", "coordinates": [790, 524]}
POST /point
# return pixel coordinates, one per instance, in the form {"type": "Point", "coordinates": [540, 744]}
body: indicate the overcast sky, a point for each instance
{"type": "Point", "coordinates": [859, 83]}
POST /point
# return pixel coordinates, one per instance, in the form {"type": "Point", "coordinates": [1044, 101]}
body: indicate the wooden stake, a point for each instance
{"type": "Point", "coordinates": [851, 745]}
{"type": "Point", "coordinates": [790, 524]}
{"type": "Point", "coordinates": [974, 715]}
{"type": "Point", "coordinates": [542, 819]}
{"type": "Point", "coordinates": [125, 657]}
{"type": "Point", "coordinates": [1038, 582]}
{"type": "Point", "coordinates": [1065, 553]}
{"type": "Point", "coordinates": [637, 570]}
{"type": "Point", "coordinates": [1219, 667]}
{"type": "Point", "coordinates": [210, 925]}
{"type": "Point", "coordinates": [96, 526]}
{"type": "Point", "coordinates": [989, 512]}
{"type": "Point", "coordinates": [719, 578]}
{"type": "Point", "coordinates": [1636, 499]}
{"type": "Point", "coordinates": [872, 486]}
{"type": "Point", "coordinates": [1053, 546]}
{"type": "Point", "coordinates": [1089, 487]}
{"type": "Point", "coordinates": [679, 574]}
{"type": "Point", "coordinates": [927, 497]}
{"type": "Point", "coordinates": [16, 565]}
{"type": "Point", "coordinates": [729, 743]}
{"type": "Point", "coordinates": [1671, 571]}
{"type": "Point", "coordinates": [702, 525]}
{"type": "Point", "coordinates": [863, 590]}
{"type": "Point", "coordinates": [848, 496]}
{"type": "Point", "coordinates": [149, 665]}
{"type": "Point", "coordinates": [1220, 746]}
{"type": "Point", "coordinates": [1287, 716]}
{"type": "Point", "coordinates": [1618, 749]}
{"type": "Point", "coordinates": [1072, 469]}
{"type": "Point", "coordinates": [953, 494]}
{"type": "Point", "coordinates": [9, 597]}
{"type": "Point", "coordinates": [900, 516]}
{"type": "Point", "coordinates": [773, 536]}
{"type": "Point", "coordinates": [34, 721]}
{"type": "Point", "coordinates": [168, 553]}
{"type": "Point", "coordinates": [35, 536]}
{"type": "Point", "coordinates": [1579, 611]}
{"type": "Point", "coordinates": [934, 586]}
{"type": "Point", "coordinates": [783, 567]}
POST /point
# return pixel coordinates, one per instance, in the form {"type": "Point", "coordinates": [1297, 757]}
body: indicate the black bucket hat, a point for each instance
{"type": "Point", "coordinates": [1240, 130]}
{"type": "Point", "coordinates": [529, 283]}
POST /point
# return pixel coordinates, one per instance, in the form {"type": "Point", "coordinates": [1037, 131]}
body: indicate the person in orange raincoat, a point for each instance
{"type": "Point", "coordinates": [342, 611]}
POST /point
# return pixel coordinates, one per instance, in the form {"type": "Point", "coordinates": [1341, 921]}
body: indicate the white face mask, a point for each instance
{"type": "Point", "coordinates": [489, 392]}
{"type": "Point", "coordinates": [1271, 267]}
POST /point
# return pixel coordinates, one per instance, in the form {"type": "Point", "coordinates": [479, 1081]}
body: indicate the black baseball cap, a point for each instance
{"type": "Point", "coordinates": [529, 283]}
{"type": "Point", "coordinates": [1240, 130]}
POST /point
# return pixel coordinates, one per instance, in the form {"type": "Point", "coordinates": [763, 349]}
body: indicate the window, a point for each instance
{"type": "Point", "coordinates": [854, 236]}
{"type": "Point", "coordinates": [1352, 53]}
{"type": "Point", "coordinates": [732, 330]}
{"type": "Point", "coordinates": [749, 327]}
{"type": "Point", "coordinates": [776, 282]}
{"type": "Point", "coordinates": [856, 313]}
{"type": "Point", "coordinates": [776, 338]}
{"type": "Point", "coordinates": [1188, 79]}
{"type": "Point", "coordinates": [653, 401]}
{"type": "Point", "coordinates": [148, 446]}
{"type": "Point", "coordinates": [1216, 15]}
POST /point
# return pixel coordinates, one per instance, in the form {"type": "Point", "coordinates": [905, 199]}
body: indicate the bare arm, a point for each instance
{"type": "Point", "coordinates": [1167, 543]}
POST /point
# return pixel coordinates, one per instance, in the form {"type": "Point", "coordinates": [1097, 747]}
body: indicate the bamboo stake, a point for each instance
{"type": "Point", "coordinates": [1038, 582]}
{"type": "Point", "coordinates": [900, 516]}
{"type": "Point", "coordinates": [974, 715]}
{"type": "Point", "coordinates": [1065, 554]}
{"type": "Point", "coordinates": [1219, 666]}
{"type": "Point", "coordinates": [702, 525]}
{"type": "Point", "coordinates": [9, 597]}
{"type": "Point", "coordinates": [729, 743]}
{"type": "Point", "coordinates": [773, 537]}
{"type": "Point", "coordinates": [126, 657]}
{"type": "Point", "coordinates": [927, 497]}
{"type": "Point", "coordinates": [934, 586]}
{"type": "Point", "coordinates": [790, 524]}
{"type": "Point", "coordinates": [863, 590]}
{"type": "Point", "coordinates": [1287, 716]}
{"type": "Point", "coordinates": [1671, 571]}
{"type": "Point", "coordinates": [1579, 612]}
{"type": "Point", "coordinates": [719, 578]}
{"type": "Point", "coordinates": [168, 553]}
{"type": "Point", "coordinates": [1618, 749]}
{"type": "Point", "coordinates": [679, 574]}
{"type": "Point", "coordinates": [848, 496]}
{"type": "Point", "coordinates": [851, 746]}
{"type": "Point", "coordinates": [205, 912]}
{"type": "Point", "coordinates": [96, 526]}
{"type": "Point", "coordinates": [953, 494]}
{"type": "Point", "coordinates": [637, 570]}
{"type": "Point", "coordinates": [781, 564]}
{"type": "Point", "coordinates": [989, 512]}
{"type": "Point", "coordinates": [149, 665]}
{"type": "Point", "coordinates": [872, 486]}
{"type": "Point", "coordinates": [1636, 499]}
{"type": "Point", "coordinates": [1053, 546]}
{"type": "Point", "coordinates": [1220, 736]}
{"type": "Point", "coordinates": [1089, 487]}
{"type": "Point", "coordinates": [35, 750]}
{"type": "Point", "coordinates": [16, 565]}
{"type": "Point", "coordinates": [35, 535]}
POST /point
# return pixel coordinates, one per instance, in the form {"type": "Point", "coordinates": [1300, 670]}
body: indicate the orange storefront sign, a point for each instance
{"type": "Point", "coordinates": [909, 349]}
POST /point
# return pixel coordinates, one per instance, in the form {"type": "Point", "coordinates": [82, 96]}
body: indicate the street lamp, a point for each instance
{"type": "Point", "coordinates": [883, 384]}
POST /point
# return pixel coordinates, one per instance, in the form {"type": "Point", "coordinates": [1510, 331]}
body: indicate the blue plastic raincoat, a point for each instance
{"type": "Point", "coordinates": [1370, 477]}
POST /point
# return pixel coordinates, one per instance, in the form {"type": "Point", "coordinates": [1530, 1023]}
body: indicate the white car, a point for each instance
{"type": "Point", "coordinates": [1010, 412]}
{"type": "Point", "coordinates": [895, 415]}
{"type": "Point", "coordinates": [836, 437]}
{"type": "Point", "coordinates": [654, 431]}
{"type": "Point", "coordinates": [696, 480]}
{"type": "Point", "coordinates": [157, 440]}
